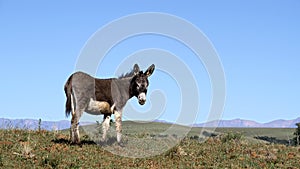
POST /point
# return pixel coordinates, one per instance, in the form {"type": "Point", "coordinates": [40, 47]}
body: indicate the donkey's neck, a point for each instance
{"type": "Point", "coordinates": [124, 86]}
{"type": "Point", "coordinates": [120, 91]}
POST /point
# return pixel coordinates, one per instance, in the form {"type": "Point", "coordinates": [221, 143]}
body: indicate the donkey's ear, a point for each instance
{"type": "Point", "coordinates": [150, 70]}
{"type": "Point", "coordinates": [136, 69]}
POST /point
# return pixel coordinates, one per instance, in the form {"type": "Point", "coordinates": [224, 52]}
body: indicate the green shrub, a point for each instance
{"type": "Point", "coordinates": [1, 161]}
{"type": "Point", "coordinates": [297, 134]}
{"type": "Point", "coordinates": [232, 136]}
{"type": "Point", "coordinates": [51, 161]}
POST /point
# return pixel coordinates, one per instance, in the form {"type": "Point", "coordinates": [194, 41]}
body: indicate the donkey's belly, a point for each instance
{"type": "Point", "coordinates": [98, 107]}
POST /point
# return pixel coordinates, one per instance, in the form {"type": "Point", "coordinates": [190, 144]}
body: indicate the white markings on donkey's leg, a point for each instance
{"type": "Point", "coordinates": [105, 126]}
{"type": "Point", "coordinates": [118, 118]}
{"type": "Point", "coordinates": [74, 130]}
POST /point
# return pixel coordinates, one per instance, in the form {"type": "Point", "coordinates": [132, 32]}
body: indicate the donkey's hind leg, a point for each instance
{"type": "Point", "coordinates": [75, 138]}
{"type": "Point", "coordinates": [71, 128]}
{"type": "Point", "coordinates": [105, 126]}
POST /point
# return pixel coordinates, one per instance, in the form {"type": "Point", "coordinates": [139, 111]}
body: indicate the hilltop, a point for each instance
{"type": "Point", "coordinates": [229, 148]}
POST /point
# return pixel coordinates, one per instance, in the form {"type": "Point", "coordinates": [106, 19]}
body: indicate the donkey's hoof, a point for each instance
{"type": "Point", "coordinates": [75, 141]}
{"type": "Point", "coordinates": [102, 142]}
{"type": "Point", "coordinates": [121, 144]}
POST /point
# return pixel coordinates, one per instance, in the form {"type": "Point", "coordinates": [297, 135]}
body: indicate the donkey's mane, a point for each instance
{"type": "Point", "coordinates": [128, 74]}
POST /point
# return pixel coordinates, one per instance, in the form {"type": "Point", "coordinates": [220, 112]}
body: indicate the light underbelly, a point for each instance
{"type": "Point", "coordinates": [98, 107]}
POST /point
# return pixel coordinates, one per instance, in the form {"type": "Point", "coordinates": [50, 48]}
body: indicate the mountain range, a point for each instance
{"type": "Point", "coordinates": [242, 123]}
{"type": "Point", "coordinates": [33, 124]}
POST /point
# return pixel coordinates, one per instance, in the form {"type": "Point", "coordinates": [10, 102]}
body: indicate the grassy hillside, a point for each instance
{"type": "Point", "coordinates": [232, 149]}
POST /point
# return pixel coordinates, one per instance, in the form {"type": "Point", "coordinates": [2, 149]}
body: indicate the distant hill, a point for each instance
{"type": "Point", "coordinates": [249, 123]}
{"type": "Point", "coordinates": [33, 124]}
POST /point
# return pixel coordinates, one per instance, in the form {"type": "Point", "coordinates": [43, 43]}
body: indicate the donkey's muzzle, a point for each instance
{"type": "Point", "coordinates": [142, 102]}
{"type": "Point", "coordinates": [142, 98]}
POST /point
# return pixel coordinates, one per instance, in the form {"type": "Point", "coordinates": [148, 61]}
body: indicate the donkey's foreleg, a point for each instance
{"type": "Point", "coordinates": [105, 126]}
{"type": "Point", "coordinates": [118, 118]}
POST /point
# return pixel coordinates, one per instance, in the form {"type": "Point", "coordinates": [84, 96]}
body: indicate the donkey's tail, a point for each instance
{"type": "Point", "coordinates": [68, 92]}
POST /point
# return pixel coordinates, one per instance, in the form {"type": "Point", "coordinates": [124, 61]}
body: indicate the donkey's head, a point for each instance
{"type": "Point", "coordinates": [140, 83]}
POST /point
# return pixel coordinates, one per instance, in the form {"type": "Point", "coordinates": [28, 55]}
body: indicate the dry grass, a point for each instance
{"type": "Point", "coordinates": [44, 149]}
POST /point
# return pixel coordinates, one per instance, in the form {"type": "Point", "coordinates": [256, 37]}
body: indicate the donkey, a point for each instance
{"type": "Point", "coordinates": [104, 96]}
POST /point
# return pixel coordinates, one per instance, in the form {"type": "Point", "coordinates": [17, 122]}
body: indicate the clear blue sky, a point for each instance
{"type": "Point", "coordinates": [257, 42]}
